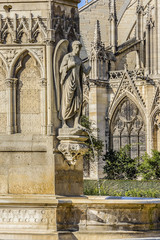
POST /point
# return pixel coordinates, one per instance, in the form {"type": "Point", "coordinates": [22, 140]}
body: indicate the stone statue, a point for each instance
{"type": "Point", "coordinates": [69, 83]}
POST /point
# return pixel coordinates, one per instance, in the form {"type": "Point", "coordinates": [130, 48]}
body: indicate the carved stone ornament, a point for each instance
{"type": "Point", "coordinates": [72, 144]}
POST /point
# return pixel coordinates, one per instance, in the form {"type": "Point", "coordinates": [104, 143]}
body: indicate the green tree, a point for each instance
{"type": "Point", "coordinates": [150, 166]}
{"type": "Point", "coordinates": [95, 145]}
{"type": "Point", "coordinates": [119, 164]}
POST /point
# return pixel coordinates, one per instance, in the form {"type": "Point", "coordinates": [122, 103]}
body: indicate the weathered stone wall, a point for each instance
{"type": "Point", "coordinates": [88, 17]}
{"type": "Point", "coordinates": [29, 32]}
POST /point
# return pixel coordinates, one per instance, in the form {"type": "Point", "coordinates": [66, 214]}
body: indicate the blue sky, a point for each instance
{"type": "Point", "coordinates": [82, 3]}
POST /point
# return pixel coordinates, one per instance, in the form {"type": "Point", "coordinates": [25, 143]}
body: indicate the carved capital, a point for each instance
{"type": "Point", "coordinates": [49, 42]}
{"type": "Point", "coordinates": [11, 82]}
{"type": "Point", "coordinates": [43, 82]}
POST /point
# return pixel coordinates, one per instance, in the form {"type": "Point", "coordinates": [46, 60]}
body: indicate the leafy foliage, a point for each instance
{"type": "Point", "coordinates": [119, 164]}
{"type": "Point", "coordinates": [95, 145]}
{"type": "Point", "coordinates": [150, 166]}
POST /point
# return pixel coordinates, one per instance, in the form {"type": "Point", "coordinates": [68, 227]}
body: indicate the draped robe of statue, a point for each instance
{"type": "Point", "coordinates": [71, 85]}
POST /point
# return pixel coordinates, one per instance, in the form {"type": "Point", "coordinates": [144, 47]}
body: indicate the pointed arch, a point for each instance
{"type": "Point", "coordinates": [59, 34]}
{"type": "Point", "coordinates": [24, 52]}
{"type": "Point", "coordinates": [71, 35]}
{"type": "Point", "coordinates": [28, 94]}
{"type": "Point", "coordinates": [127, 125]}
{"type": "Point", "coordinates": [132, 98]}
{"type": "Point", "coordinates": [5, 63]}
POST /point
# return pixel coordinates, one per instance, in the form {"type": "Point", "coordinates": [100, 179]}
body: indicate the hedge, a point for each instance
{"type": "Point", "coordinates": [130, 188]}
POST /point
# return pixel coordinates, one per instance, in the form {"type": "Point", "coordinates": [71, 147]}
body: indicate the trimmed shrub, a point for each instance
{"type": "Point", "coordinates": [119, 164]}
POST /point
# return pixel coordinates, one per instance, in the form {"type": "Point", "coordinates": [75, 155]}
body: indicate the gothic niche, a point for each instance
{"type": "Point", "coordinates": [127, 127]}
{"type": "Point", "coordinates": [28, 94]}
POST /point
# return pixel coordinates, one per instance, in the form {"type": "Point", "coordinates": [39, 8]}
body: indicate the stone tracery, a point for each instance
{"type": "Point", "coordinates": [128, 127]}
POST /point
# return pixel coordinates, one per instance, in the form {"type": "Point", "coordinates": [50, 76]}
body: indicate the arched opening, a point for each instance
{"type": "Point", "coordinates": [127, 127]}
{"type": "Point", "coordinates": [28, 109]}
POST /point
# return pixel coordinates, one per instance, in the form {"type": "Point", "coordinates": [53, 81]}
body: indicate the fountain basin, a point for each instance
{"type": "Point", "coordinates": [66, 218]}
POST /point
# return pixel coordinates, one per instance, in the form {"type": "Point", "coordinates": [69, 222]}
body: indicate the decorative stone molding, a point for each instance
{"type": "Point", "coordinates": [28, 29]}
{"type": "Point", "coordinates": [72, 144]}
{"type": "Point", "coordinates": [9, 83]}
{"type": "Point", "coordinates": [72, 151]}
{"type": "Point", "coordinates": [39, 53]}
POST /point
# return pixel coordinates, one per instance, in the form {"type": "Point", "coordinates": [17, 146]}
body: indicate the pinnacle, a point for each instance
{"type": "Point", "coordinates": [97, 33]}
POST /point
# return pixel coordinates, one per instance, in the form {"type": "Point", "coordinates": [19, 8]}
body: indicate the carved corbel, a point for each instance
{"type": "Point", "coordinates": [72, 144]}
{"type": "Point", "coordinates": [72, 151]}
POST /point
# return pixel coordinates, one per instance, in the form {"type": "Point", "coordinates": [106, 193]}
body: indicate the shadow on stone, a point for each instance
{"type": "Point", "coordinates": [69, 217]}
{"type": "Point", "coordinates": [67, 236]}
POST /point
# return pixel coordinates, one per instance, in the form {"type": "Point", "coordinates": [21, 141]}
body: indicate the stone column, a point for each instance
{"type": "Point", "coordinates": [138, 27]}
{"type": "Point", "coordinates": [43, 84]}
{"type": "Point", "coordinates": [113, 32]}
{"type": "Point", "coordinates": [158, 33]}
{"type": "Point", "coordinates": [147, 49]}
{"type": "Point", "coordinates": [98, 103]}
{"type": "Point", "coordinates": [152, 47]}
{"type": "Point", "coordinates": [9, 93]}
{"type": "Point", "coordinates": [140, 33]}
{"type": "Point", "coordinates": [14, 105]}
{"type": "Point", "coordinates": [137, 59]}
{"type": "Point", "coordinates": [156, 38]}
{"type": "Point", "coordinates": [49, 51]}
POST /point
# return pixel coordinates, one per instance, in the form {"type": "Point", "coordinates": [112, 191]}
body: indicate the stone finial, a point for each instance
{"type": "Point", "coordinates": [97, 33]}
{"type": "Point", "coordinates": [139, 6]}
{"type": "Point", "coordinates": [148, 12]}
{"type": "Point", "coordinates": [149, 22]}
{"type": "Point", "coordinates": [112, 5]}
{"type": "Point", "coordinates": [138, 3]}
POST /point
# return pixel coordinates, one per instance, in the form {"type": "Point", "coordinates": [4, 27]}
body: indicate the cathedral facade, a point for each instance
{"type": "Point", "coordinates": [121, 42]}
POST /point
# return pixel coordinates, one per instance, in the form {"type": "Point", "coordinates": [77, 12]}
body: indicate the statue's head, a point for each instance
{"type": "Point", "coordinates": [76, 47]}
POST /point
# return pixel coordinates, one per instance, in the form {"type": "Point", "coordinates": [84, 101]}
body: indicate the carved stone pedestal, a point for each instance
{"type": "Point", "coordinates": [69, 167]}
